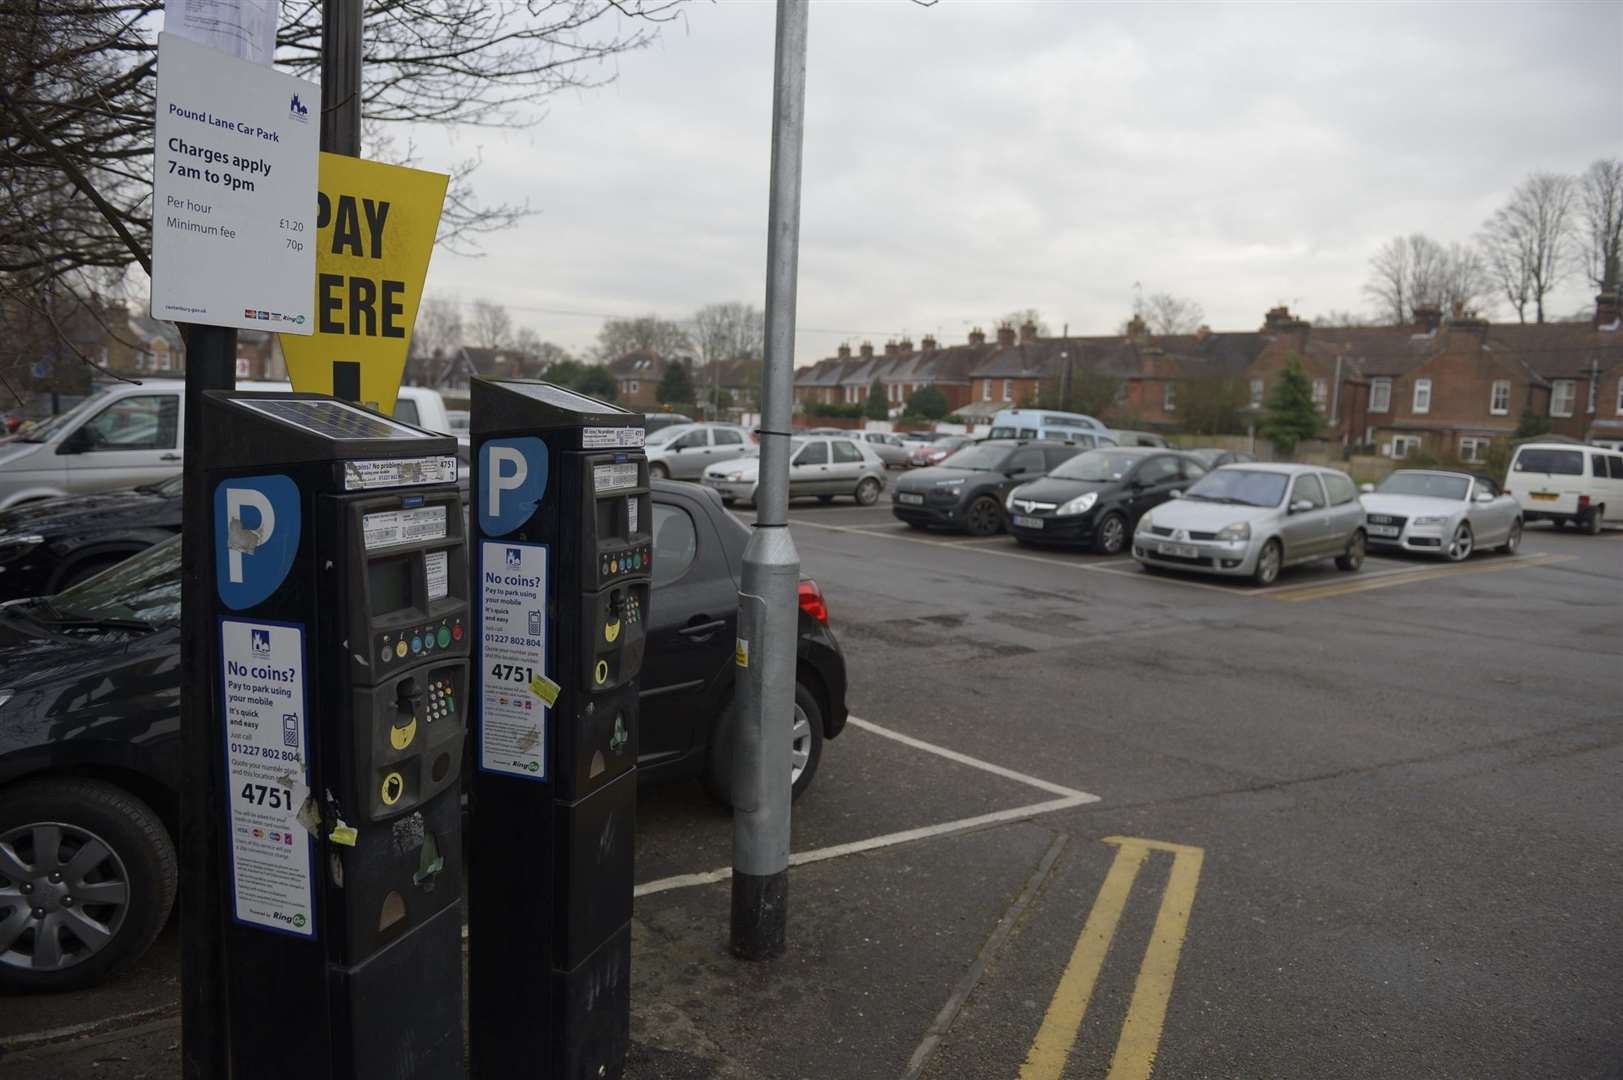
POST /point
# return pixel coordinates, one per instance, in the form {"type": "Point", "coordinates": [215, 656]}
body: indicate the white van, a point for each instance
{"type": "Point", "coordinates": [1049, 424]}
{"type": "Point", "coordinates": [1566, 482]}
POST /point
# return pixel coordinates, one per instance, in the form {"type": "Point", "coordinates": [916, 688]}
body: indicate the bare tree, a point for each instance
{"type": "Point", "coordinates": [1428, 270]}
{"type": "Point", "coordinates": [729, 331]}
{"type": "Point", "coordinates": [1168, 314]}
{"type": "Point", "coordinates": [1529, 239]}
{"type": "Point", "coordinates": [489, 325]}
{"type": "Point", "coordinates": [1466, 283]}
{"type": "Point", "coordinates": [1600, 210]}
{"type": "Point", "coordinates": [1388, 284]}
{"type": "Point", "coordinates": [646, 333]}
{"type": "Point", "coordinates": [1338, 317]}
{"type": "Point", "coordinates": [439, 327]}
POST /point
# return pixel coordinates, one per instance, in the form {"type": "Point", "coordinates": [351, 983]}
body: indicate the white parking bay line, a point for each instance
{"type": "Point", "coordinates": [902, 537]}
{"type": "Point", "coordinates": [1069, 797]}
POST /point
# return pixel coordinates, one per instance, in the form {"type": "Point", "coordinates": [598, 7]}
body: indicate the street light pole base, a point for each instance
{"type": "Point", "coordinates": [760, 915]}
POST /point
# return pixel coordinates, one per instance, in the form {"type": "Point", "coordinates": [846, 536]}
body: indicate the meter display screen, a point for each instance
{"type": "Point", "coordinates": [389, 582]}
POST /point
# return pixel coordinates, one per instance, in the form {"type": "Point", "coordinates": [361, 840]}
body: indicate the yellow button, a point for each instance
{"type": "Point", "coordinates": [400, 737]}
{"type": "Point", "coordinates": [400, 648]}
{"type": "Point", "coordinates": [394, 786]}
{"type": "Point", "coordinates": [611, 631]}
{"type": "Point", "coordinates": [602, 671]}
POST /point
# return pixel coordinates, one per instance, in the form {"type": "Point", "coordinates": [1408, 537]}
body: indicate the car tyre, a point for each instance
{"type": "Point", "coordinates": [806, 750]}
{"type": "Point", "coordinates": [1513, 539]}
{"type": "Point", "coordinates": [867, 491]}
{"type": "Point", "coordinates": [658, 470]}
{"type": "Point", "coordinates": [1591, 522]}
{"type": "Point", "coordinates": [110, 926]}
{"type": "Point", "coordinates": [1460, 547]}
{"type": "Point", "coordinates": [984, 517]}
{"type": "Point", "coordinates": [1269, 561]}
{"type": "Point", "coordinates": [1110, 536]}
{"type": "Point", "coordinates": [1353, 558]}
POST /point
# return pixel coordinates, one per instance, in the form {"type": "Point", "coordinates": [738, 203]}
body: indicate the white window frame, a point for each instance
{"type": "Point", "coordinates": [1496, 405]}
{"type": "Point", "coordinates": [1258, 388]}
{"type": "Point", "coordinates": [1321, 393]}
{"type": "Point", "coordinates": [1380, 395]}
{"type": "Point", "coordinates": [986, 389]}
{"type": "Point", "coordinates": [1563, 388]}
{"type": "Point", "coordinates": [1169, 397]}
{"type": "Point", "coordinates": [1594, 393]}
{"type": "Point", "coordinates": [1402, 444]}
{"type": "Point", "coordinates": [1008, 389]}
{"type": "Point", "coordinates": [1620, 395]}
{"type": "Point", "coordinates": [1422, 401]}
{"type": "Point", "coordinates": [1474, 449]}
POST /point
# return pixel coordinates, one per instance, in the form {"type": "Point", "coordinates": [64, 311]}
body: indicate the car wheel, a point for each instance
{"type": "Point", "coordinates": [1591, 522]}
{"type": "Point", "coordinates": [984, 517]}
{"type": "Point", "coordinates": [1353, 557]}
{"type": "Point", "coordinates": [87, 879]}
{"type": "Point", "coordinates": [1268, 563]}
{"type": "Point", "coordinates": [83, 571]}
{"type": "Point", "coordinates": [868, 491]}
{"type": "Point", "coordinates": [1513, 539]}
{"type": "Point", "coordinates": [658, 470]}
{"type": "Point", "coordinates": [805, 748]}
{"type": "Point", "coordinates": [1111, 535]}
{"type": "Point", "coordinates": [1459, 548]}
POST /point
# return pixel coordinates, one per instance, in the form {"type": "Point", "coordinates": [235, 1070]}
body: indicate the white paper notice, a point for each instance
{"type": "Point", "coordinates": [599, 438]}
{"type": "Point", "coordinates": [398, 472]}
{"type": "Point", "coordinates": [242, 28]}
{"type": "Point", "coordinates": [267, 781]}
{"type": "Point", "coordinates": [607, 478]}
{"type": "Point", "coordinates": [512, 658]}
{"type": "Point", "coordinates": [234, 192]}
{"type": "Point", "coordinates": [439, 580]}
{"type": "Point", "coordinates": [631, 514]}
{"type": "Point", "coordinates": [389, 527]}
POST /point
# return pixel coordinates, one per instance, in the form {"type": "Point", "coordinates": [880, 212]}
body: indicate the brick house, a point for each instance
{"type": "Point", "coordinates": [636, 377]}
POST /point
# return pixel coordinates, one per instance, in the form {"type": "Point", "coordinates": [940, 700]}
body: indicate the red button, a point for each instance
{"type": "Point", "coordinates": [456, 632]}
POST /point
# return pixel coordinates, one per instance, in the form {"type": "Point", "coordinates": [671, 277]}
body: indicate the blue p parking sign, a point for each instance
{"type": "Point", "coordinates": [256, 536]}
{"type": "Point", "coordinates": [512, 482]}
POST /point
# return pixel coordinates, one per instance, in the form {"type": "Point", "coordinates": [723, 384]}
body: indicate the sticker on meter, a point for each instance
{"type": "Point", "coordinates": [512, 657]}
{"type": "Point", "coordinates": [612, 478]}
{"type": "Point", "coordinates": [391, 527]}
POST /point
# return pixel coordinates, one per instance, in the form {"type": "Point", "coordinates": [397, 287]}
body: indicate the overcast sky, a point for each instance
{"type": "Point", "coordinates": [968, 159]}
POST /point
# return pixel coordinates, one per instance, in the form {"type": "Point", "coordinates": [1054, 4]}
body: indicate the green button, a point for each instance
{"type": "Point", "coordinates": [444, 637]}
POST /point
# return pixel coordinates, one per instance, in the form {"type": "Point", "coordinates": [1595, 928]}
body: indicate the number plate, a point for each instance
{"type": "Point", "coordinates": [1545, 495]}
{"type": "Point", "coordinates": [1181, 551]}
{"type": "Point", "coordinates": [909, 500]}
{"type": "Point", "coordinates": [1028, 522]}
{"type": "Point", "coordinates": [1383, 530]}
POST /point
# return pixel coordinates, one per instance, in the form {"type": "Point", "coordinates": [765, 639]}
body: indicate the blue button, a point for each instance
{"type": "Point", "coordinates": [416, 644]}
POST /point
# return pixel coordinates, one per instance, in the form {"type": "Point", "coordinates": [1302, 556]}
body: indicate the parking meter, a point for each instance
{"type": "Point", "coordinates": [339, 644]}
{"type": "Point", "coordinates": [562, 561]}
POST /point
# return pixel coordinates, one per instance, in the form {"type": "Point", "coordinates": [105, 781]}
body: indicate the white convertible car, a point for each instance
{"type": "Point", "coordinates": [1438, 512]}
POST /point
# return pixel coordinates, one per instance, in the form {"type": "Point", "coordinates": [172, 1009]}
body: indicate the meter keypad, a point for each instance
{"type": "Point", "coordinates": [441, 702]}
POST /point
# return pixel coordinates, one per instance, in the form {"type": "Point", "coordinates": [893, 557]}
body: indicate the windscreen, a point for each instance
{"type": "Point", "coordinates": [1098, 465]}
{"type": "Point", "coordinates": [978, 458]}
{"type": "Point", "coordinates": [1431, 485]}
{"type": "Point", "coordinates": [1555, 462]}
{"type": "Point", "coordinates": [143, 588]}
{"type": "Point", "coordinates": [1242, 487]}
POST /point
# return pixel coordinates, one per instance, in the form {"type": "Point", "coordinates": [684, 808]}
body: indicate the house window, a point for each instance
{"type": "Point", "coordinates": [986, 389]}
{"type": "Point", "coordinates": [1008, 389]}
{"type": "Point", "coordinates": [1499, 401]}
{"type": "Point", "coordinates": [1422, 395]}
{"type": "Point", "coordinates": [1169, 397]}
{"type": "Point", "coordinates": [1321, 392]}
{"type": "Point", "coordinates": [1563, 395]}
{"type": "Point", "coordinates": [631, 386]}
{"type": "Point", "coordinates": [1403, 444]}
{"type": "Point", "coordinates": [1380, 395]}
{"type": "Point", "coordinates": [1473, 451]}
{"type": "Point", "coordinates": [1257, 387]}
{"type": "Point", "coordinates": [1620, 397]}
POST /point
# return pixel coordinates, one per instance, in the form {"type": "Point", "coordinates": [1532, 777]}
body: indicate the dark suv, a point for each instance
{"type": "Point", "coordinates": [90, 730]}
{"type": "Point", "coordinates": [966, 491]}
{"type": "Point", "coordinates": [1095, 499]}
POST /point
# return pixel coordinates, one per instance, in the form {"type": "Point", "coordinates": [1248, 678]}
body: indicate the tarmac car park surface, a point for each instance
{"type": "Point", "coordinates": [1089, 821]}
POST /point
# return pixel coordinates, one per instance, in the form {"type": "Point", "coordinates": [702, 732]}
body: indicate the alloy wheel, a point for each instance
{"type": "Point", "coordinates": [868, 492]}
{"type": "Point", "coordinates": [1112, 534]}
{"type": "Point", "coordinates": [983, 518]}
{"type": "Point", "coordinates": [1459, 548]}
{"type": "Point", "coordinates": [64, 893]}
{"type": "Point", "coordinates": [1268, 564]}
{"type": "Point", "coordinates": [800, 741]}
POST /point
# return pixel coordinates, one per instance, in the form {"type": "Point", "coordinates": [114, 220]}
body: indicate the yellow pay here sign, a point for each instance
{"type": "Point", "coordinates": [375, 227]}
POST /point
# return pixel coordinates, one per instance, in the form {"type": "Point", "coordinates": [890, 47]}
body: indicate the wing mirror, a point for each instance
{"type": "Point", "coordinates": [1301, 506]}
{"type": "Point", "coordinates": [1177, 493]}
{"type": "Point", "coordinates": [76, 443]}
{"type": "Point", "coordinates": [1484, 496]}
{"type": "Point", "coordinates": [1367, 489]}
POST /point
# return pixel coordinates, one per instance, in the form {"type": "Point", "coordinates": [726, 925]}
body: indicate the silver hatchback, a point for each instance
{"type": "Point", "coordinates": [1253, 520]}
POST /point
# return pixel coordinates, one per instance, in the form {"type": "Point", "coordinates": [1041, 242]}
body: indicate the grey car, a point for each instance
{"type": "Point", "coordinates": [822, 466]}
{"type": "Point", "coordinates": [1254, 520]}
{"type": "Point", "coordinates": [889, 448]}
{"type": "Point", "coordinates": [1440, 512]}
{"type": "Point", "coordinates": [683, 452]}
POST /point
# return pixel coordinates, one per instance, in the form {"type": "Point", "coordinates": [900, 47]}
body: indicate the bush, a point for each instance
{"type": "Point", "coordinates": [837, 410]}
{"type": "Point", "coordinates": [928, 402]}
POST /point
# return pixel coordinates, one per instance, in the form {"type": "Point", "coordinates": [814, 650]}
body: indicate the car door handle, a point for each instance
{"type": "Point", "coordinates": [701, 629]}
{"type": "Point", "coordinates": [169, 457]}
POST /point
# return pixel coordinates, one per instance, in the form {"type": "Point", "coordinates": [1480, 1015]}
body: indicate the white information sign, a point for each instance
{"type": "Point", "coordinates": [438, 564]}
{"type": "Point", "coordinates": [512, 659]}
{"type": "Point", "coordinates": [267, 780]}
{"type": "Point", "coordinates": [245, 28]}
{"type": "Point", "coordinates": [607, 478]}
{"type": "Point", "coordinates": [234, 192]}
{"type": "Point", "coordinates": [598, 438]}
{"type": "Point", "coordinates": [389, 527]}
{"type": "Point", "coordinates": [398, 472]}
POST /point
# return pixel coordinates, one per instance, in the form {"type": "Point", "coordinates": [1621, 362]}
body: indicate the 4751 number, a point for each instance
{"type": "Point", "coordinates": [512, 673]}
{"type": "Point", "coordinates": [276, 798]}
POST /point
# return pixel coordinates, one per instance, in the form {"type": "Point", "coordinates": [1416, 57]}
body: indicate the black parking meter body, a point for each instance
{"type": "Point", "coordinates": [562, 562]}
{"type": "Point", "coordinates": [339, 656]}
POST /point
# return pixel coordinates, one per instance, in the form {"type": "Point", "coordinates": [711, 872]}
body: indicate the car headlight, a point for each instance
{"type": "Point", "coordinates": [1432, 520]}
{"type": "Point", "coordinates": [1079, 505]}
{"type": "Point", "coordinates": [1240, 530]}
{"type": "Point", "coordinates": [1008, 502]}
{"type": "Point", "coordinates": [16, 545]}
{"type": "Point", "coordinates": [736, 477]}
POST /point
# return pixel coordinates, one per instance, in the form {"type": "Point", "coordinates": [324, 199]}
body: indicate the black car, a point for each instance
{"type": "Point", "coordinates": [966, 491]}
{"type": "Point", "coordinates": [90, 732]}
{"type": "Point", "coordinates": [49, 545]}
{"type": "Point", "coordinates": [1095, 499]}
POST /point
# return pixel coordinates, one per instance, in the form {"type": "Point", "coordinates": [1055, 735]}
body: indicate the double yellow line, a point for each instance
{"type": "Point", "coordinates": [1320, 592]}
{"type": "Point", "coordinates": [1141, 1032]}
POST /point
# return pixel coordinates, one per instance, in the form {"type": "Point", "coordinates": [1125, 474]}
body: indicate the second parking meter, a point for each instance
{"type": "Point", "coordinates": [340, 656]}
{"type": "Point", "coordinates": [562, 561]}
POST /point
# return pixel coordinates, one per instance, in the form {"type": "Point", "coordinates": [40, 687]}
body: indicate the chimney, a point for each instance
{"type": "Point", "coordinates": [977, 336]}
{"type": "Point", "coordinates": [1028, 332]}
{"type": "Point", "coordinates": [1427, 317]}
{"type": "Point", "coordinates": [1005, 336]}
{"type": "Point", "coordinates": [867, 350]}
{"type": "Point", "coordinates": [1277, 318]}
{"type": "Point", "coordinates": [1202, 333]}
{"type": "Point", "coordinates": [844, 352]}
{"type": "Point", "coordinates": [928, 344]}
{"type": "Point", "coordinates": [1608, 311]}
{"type": "Point", "coordinates": [1467, 322]}
{"type": "Point", "coordinates": [891, 348]}
{"type": "Point", "coordinates": [905, 345]}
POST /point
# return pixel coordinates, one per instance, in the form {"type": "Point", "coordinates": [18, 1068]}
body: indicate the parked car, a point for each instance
{"type": "Point", "coordinates": [90, 731]}
{"type": "Point", "coordinates": [687, 448]}
{"type": "Point", "coordinates": [1213, 456]}
{"type": "Point", "coordinates": [1567, 484]}
{"type": "Point", "coordinates": [1254, 520]}
{"type": "Point", "coordinates": [1096, 498]}
{"type": "Point", "coordinates": [53, 544]}
{"type": "Point", "coordinates": [1439, 512]}
{"type": "Point", "coordinates": [1044, 424]}
{"type": "Point", "coordinates": [968, 489]}
{"type": "Point", "coordinates": [825, 466]}
{"type": "Point", "coordinates": [1124, 437]}
{"type": "Point", "coordinates": [937, 450]}
{"type": "Point", "coordinates": [889, 448]}
{"type": "Point", "coordinates": [654, 421]}
{"type": "Point", "coordinates": [458, 421]}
